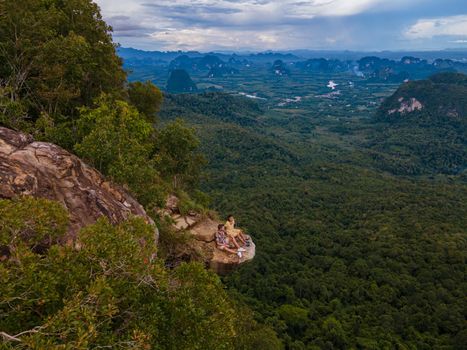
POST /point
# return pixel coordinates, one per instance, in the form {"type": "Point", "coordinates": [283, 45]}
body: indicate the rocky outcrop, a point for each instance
{"type": "Point", "coordinates": [203, 229]}
{"type": "Point", "coordinates": [407, 106]}
{"type": "Point", "coordinates": [46, 170]}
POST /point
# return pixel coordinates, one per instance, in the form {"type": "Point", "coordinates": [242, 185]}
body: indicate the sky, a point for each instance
{"type": "Point", "coordinates": [280, 25]}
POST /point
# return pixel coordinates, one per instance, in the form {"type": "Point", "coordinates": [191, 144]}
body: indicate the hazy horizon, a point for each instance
{"type": "Point", "coordinates": [298, 50]}
{"type": "Point", "coordinates": [263, 25]}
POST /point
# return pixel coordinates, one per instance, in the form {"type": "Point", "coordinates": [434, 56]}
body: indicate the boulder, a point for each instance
{"type": "Point", "coordinates": [46, 170]}
{"type": "Point", "coordinates": [205, 230]}
{"type": "Point", "coordinates": [184, 222]}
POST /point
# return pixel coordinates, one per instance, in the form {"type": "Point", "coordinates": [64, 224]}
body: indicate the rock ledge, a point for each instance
{"type": "Point", "coordinates": [203, 230]}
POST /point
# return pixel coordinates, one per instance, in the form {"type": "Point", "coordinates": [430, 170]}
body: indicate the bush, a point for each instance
{"type": "Point", "coordinates": [110, 293]}
{"type": "Point", "coordinates": [33, 221]}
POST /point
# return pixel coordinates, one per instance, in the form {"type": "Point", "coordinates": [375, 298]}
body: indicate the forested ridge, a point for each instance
{"type": "Point", "coordinates": [427, 141]}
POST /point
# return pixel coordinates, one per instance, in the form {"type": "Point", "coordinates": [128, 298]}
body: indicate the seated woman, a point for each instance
{"type": "Point", "coordinates": [233, 232]}
{"type": "Point", "coordinates": [224, 243]}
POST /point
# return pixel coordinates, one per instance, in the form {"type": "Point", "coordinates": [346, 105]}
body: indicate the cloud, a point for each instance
{"type": "Point", "coordinates": [442, 26]}
{"type": "Point", "coordinates": [319, 8]}
{"type": "Point", "coordinates": [126, 26]}
{"type": "Point", "coordinates": [216, 39]}
{"type": "Point", "coordinates": [225, 13]}
{"type": "Point", "coordinates": [227, 24]}
{"type": "Point", "coordinates": [274, 24]}
{"type": "Point", "coordinates": [254, 12]}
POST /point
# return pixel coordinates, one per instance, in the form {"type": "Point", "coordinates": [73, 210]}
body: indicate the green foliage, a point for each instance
{"type": "Point", "coordinates": [174, 246]}
{"type": "Point", "coordinates": [118, 141]}
{"type": "Point", "coordinates": [347, 256]}
{"type": "Point", "coordinates": [431, 140]}
{"type": "Point", "coordinates": [58, 55]}
{"type": "Point", "coordinates": [62, 81]}
{"type": "Point", "coordinates": [178, 155]}
{"type": "Point", "coordinates": [252, 335]}
{"type": "Point", "coordinates": [110, 293]}
{"type": "Point", "coordinates": [13, 112]}
{"type": "Point", "coordinates": [146, 97]}
{"type": "Point", "coordinates": [186, 204]}
{"type": "Point", "coordinates": [35, 222]}
{"type": "Point", "coordinates": [295, 317]}
{"type": "Point", "coordinates": [219, 106]}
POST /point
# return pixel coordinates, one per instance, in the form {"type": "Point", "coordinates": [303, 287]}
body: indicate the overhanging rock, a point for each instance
{"type": "Point", "coordinates": [203, 229]}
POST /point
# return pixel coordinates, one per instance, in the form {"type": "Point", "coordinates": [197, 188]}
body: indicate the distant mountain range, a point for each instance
{"type": "Point", "coordinates": [168, 56]}
{"type": "Point", "coordinates": [372, 68]}
{"type": "Point", "coordinates": [296, 55]}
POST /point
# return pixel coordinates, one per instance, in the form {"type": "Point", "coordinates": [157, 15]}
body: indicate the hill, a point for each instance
{"type": "Point", "coordinates": [280, 68]}
{"type": "Point", "coordinates": [180, 81]}
{"type": "Point", "coordinates": [422, 127]}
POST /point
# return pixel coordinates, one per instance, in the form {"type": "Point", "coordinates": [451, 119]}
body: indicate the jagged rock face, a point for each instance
{"type": "Point", "coordinates": [46, 170]}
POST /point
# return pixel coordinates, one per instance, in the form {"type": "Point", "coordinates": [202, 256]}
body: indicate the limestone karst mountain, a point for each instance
{"type": "Point", "coordinates": [180, 81]}
{"type": "Point", "coordinates": [423, 127]}
{"type": "Point", "coordinates": [280, 68]}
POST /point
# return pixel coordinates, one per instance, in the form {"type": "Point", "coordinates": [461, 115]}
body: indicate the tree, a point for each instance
{"type": "Point", "coordinates": [295, 317]}
{"type": "Point", "coordinates": [56, 55]}
{"type": "Point", "coordinates": [38, 223]}
{"type": "Point", "coordinates": [146, 97]}
{"type": "Point", "coordinates": [109, 293]}
{"type": "Point", "coordinates": [118, 141]}
{"type": "Point", "coordinates": [178, 155]}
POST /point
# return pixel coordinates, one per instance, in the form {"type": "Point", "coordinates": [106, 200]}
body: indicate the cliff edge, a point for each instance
{"type": "Point", "coordinates": [45, 170]}
{"type": "Point", "coordinates": [203, 229]}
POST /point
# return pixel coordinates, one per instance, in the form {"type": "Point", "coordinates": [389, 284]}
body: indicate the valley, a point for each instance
{"type": "Point", "coordinates": [340, 225]}
{"type": "Point", "coordinates": [345, 170]}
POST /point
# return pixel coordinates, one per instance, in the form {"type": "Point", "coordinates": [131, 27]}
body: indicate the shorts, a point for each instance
{"type": "Point", "coordinates": [233, 233]}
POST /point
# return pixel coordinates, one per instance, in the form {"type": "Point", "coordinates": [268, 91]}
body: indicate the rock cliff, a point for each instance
{"type": "Point", "coordinates": [203, 229]}
{"type": "Point", "coordinates": [46, 170]}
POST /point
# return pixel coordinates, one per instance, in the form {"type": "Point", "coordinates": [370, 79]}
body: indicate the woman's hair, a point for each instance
{"type": "Point", "coordinates": [220, 226]}
{"type": "Point", "coordinates": [230, 216]}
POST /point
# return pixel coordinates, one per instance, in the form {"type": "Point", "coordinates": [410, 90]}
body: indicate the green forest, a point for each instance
{"type": "Point", "coordinates": [359, 215]}
{"type": "Point", "coordinates": [353, 253]}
